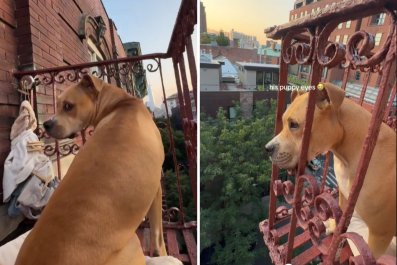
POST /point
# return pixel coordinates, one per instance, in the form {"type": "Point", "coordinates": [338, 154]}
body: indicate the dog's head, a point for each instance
{"type": "Point", "coordinates": [284, 148]}
{"type": "Point", "coordinates": [75, 108]}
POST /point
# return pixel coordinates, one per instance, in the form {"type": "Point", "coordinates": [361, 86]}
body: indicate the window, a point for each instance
{"type": "Point", "coordinates": [95, 55]}
{"type": "Point", "coordinates": [232, 113]}
{"type": "Point", "coordinates": [348, 23]}
{"type": "Point", "coordinates": [292, 17]}
{"type": "Point", "coordinates": [337, 39]}
{"type": "Point", "coordinates": [305, 13]}
{"type": "Point", "coordinates": [296, 16]}
{"type": "Point", "coordinates": [305, 68]}
{"type": "Point", "coordinates": [340, 25]}
{"type": "Point", "coordinates": [378, 37]}
{"type": "Point", "coordinates": [345, 38]}
{"type": "Point", "coordinates": [260, 86]}
{"type": "Point", "coordinates": [358, 75]}
{"type": "Point", "coordinates": [301, 14]}
{"type": "Point", "coordinates": [308, 2]}
{"type": "Point", "coordinates": [378, 19]}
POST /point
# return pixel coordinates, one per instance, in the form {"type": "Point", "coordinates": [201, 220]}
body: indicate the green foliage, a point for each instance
{"type": "Point", "coordinates": [205, 38]}
{"type": "Point", "coordinates": [170, 180]}
{"type": "Point", "coordinates": [222, 40]}
{"type": "Point", "coordinates": [233, 172]}
{"type": "Point", "coordinates": [292, 79]}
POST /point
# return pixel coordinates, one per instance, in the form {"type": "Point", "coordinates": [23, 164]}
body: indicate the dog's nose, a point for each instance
{"type": "Point", "coordinates": [48, 124]}
{"type": "Point", "coordinates": [270, 149]}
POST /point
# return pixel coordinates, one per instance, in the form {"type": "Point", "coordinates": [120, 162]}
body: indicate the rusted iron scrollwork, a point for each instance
{"type": "Point", "coordinates": [310, 206]}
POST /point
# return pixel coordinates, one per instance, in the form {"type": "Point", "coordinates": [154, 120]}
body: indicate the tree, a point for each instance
{"type": "Point", "coordinates": [222, 40]}
{"type": "Point", "coordinates": [205, 38]}
{"type": "Point", "coordinates": [234, 169]}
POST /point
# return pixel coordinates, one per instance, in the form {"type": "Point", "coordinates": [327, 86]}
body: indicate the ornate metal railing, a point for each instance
{"type": "Point", "coordinates": [43, 86]}
{"type": "Point", "coordinates": [298, 225]}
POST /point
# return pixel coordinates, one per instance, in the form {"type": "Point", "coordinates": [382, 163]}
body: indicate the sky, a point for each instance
{"type": "Point", "coordinates": [149, 22]}
{"type": "Point", "coordinates": [247, 16]}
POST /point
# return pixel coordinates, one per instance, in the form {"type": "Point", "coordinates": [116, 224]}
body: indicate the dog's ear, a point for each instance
{"type": "Point", "coordinates": [93, 85]}
{"type": "Point", "coordinates": [329, 95]}
{"type": "Point", "coordinates": [296, 93]}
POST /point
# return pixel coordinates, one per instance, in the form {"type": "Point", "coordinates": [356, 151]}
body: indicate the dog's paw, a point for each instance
{"type": "Point", "coordinates": [330, 226]}
{"type": "Point", "coordinates": [163, 260]}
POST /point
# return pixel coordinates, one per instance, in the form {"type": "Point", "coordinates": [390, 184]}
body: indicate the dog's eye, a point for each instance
{"type": "Point", "coordinates": [67, 106]}
{"type": "Point", "coordinates": [293, 125]}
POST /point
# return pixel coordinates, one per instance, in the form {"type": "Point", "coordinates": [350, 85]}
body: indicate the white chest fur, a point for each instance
{"type": "Point", "coordinates": [342, 177]}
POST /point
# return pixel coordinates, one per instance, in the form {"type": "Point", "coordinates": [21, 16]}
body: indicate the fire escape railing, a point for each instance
{"type": "Point", "coordinates": [299, 224]}
{"type": "Point", "coordinates": [121, 72]}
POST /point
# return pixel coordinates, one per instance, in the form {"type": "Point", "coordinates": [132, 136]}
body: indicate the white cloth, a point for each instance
{"type": "Point", "coordinates": [9, 251]}
{"type": "Point", "coordinates": [20, 163]}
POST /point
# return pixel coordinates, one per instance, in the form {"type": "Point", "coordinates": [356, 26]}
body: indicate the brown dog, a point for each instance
{"type": "Point", "coordinates": [340, 125]}
{"type": "Point", "coordinates": [113, 182]}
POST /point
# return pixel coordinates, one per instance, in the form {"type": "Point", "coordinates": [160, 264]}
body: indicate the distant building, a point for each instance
{"type": "Point", "coordinates": [140, 82]}
{"type": "Point", "coordinates": [203, 18]}
{"type": "Point", "coordinates": [229, 73]}
{"type": "Point", "coordinates": [377, 25]}
{"type": "Point", "coordinates": [233, 54]}
{"type": "Point", "coordinates": [173, 104]}
{"type": "Point", "coordinates": [210, 73]}
{"type": "Point", "coordinates": [270, 53]}
{"type": "Point", "coordinates": [241, 40]}
{"type": "Point", "coordinates": [150, 99]}
{"type": "Point", "coordinates": [257, 76]}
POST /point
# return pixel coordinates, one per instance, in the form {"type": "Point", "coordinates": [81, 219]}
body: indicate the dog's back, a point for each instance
{"type": "Point", "coordinates": [106, 192]}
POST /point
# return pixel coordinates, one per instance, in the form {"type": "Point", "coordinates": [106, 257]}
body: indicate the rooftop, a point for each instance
{"type": "Point", "coordinates": [256, 66]}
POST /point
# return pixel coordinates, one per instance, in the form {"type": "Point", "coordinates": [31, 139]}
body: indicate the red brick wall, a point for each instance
{"type": "Point", "coordinates": [233, 54]}
{"type": "Point", "coordinates": [8, 61]}
{"type": "Point", "coordinates": [41, 34]}
{"type": "Point", "coordinates": [365, 25]}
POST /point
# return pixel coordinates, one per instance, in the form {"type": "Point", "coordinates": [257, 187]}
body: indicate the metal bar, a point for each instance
{"type": "Point", "coordinates": [345, 78]}
{"type": "Point", "coordinates": [192, 67]}
{"type": "Point", "coordinates": [315, 77]}
{"type": "Point", "coordinates": [186, 92]}
{"type": "Point", "coordinates": [391, 101]}
{"type": "Point", "coordinates": [19, 74]}
{"type": "Point", "coordinates": [190, 245]}
{"type": "Point", "coordinates": [369, 145]}
{"type": "Point", "coordinates": [325, 171]}
{"type": "Point", "coordinates": [364, 89]}
{"type": "Point", "coordinates": [172, 144]}
{"type": "Point", "coordinates": [283, 77]}
{"type": "Point", "coordinates": [179, 89]}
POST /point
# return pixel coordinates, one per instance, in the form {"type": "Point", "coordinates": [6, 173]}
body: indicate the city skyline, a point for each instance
{"type": "Point", "coordinates": [262, 14]}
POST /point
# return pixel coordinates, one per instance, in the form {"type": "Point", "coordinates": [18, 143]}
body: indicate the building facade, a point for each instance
{"type": "Point", "coordinates": [244, 41]}
{"type": "Point", "coordinates": [377, 25]}
{"type": "Point", "coordinates": [203, 18]}
{"type": "Point", "coordinates": [37, 34]}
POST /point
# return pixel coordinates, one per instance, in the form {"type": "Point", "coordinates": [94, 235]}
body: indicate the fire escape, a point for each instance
{"type": "Point", "coordinates": [294, 232]}
{"type": "Point", "coordinates": [179, 233]}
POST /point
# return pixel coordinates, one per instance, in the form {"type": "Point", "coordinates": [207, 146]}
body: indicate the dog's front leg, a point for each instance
{"type": "Point", "coordinates": [156, 225]}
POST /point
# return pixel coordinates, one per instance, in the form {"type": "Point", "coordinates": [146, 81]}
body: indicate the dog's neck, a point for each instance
{"type": "Point", "coordinates": [348, 149]}
{"type": "Point", "coordinates": [112, 98]}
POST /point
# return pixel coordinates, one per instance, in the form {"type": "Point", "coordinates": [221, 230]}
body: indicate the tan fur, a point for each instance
{"type": "Point", "coordinates": [340, 126]}
{"type": "Point", "coordinates": [110, 186]}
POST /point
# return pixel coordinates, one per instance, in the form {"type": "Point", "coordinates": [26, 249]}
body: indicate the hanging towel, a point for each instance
{"type": "Point", "coordinates": [22, 161]}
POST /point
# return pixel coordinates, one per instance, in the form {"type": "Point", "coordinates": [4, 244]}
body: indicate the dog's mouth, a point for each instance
{"type": "Point", "coordinates": [73, 135]}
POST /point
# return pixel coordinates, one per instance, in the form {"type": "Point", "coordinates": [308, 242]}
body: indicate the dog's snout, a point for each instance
{"type": "Point", "coordinates": [270, 149]}
{"type": "Point", "coordinates": [48, 124]}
